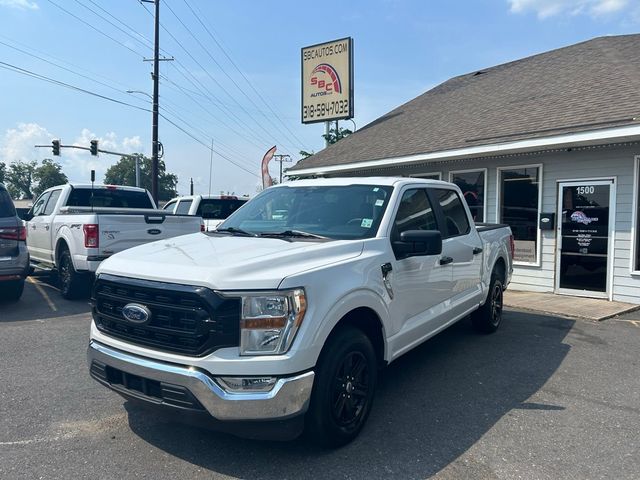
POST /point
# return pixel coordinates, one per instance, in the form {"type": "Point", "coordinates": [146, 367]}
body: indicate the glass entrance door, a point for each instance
{"type": "Point", "coordinates": [585, 213]}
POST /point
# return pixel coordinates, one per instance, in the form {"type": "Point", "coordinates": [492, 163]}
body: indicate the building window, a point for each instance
{"type": "Point", "coordinates": [472, 183]}
{"type": "Point", "coordinates": [428, 176]}
{"type": "Point", "coordinates": [519, 207]}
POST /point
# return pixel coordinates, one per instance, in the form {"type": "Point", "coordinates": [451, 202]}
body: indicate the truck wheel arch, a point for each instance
{"type": "Point", "coordinates": [367, 320]}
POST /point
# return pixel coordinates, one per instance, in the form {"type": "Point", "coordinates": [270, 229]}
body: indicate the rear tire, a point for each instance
{"type": "Point", "coordinates": [344, 388]}
{"type": "Point", "coordinates": [488, 317]}
{"type": "Point", "coordinates": [73, 285]}
{"type": "Point", "coordinates": [12, 291]}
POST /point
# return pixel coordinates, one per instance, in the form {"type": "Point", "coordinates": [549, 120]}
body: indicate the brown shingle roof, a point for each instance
{"type": "Point", "coordinates": [582, 87]}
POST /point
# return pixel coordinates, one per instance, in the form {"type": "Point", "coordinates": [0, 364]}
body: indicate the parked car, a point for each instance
{"type": "Point", "coordinates": [14, 256]}
{"type": "Point", "coordinates": [284, 314]}
{"type": "Point", "coordinates": [74, 227]}
{"type": "Point", "coordinates": [213, 209]}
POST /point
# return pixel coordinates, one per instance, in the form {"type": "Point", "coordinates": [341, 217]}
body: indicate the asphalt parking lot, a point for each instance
{"type": "Point", "coordinates": [542, 398]}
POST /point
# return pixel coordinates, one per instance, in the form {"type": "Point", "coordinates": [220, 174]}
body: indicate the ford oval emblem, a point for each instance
{"type": "Point", "coordinates": [154, 231]}
{"type": "Point", "coordinates": [136, 313]}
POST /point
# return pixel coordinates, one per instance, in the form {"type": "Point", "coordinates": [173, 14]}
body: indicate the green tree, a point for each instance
{"type": "Point", "coordinates": [304, 154]}
{"type": "Point", "coordinates": [3, 171]}
{"type": "Point", "coordinates": [49, 174]}
{"type": "Point", "coordinates": [124, 173]}
{"type": "Point", "coordinates": [335, 135]}
{"type": "Point", "coordinates": [19, 179]}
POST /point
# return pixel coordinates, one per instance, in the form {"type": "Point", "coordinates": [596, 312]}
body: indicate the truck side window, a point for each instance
{"type": "Point", "coordinates": [183, 207]}
{"type": "Point", "coordinates": [38, 206]}
{"type": "Point", "coordinates": [414, 213]}
{"type": "Point", "coordinates": [455, 215]}
{"type": "Point", "coordinates": [51, 203]}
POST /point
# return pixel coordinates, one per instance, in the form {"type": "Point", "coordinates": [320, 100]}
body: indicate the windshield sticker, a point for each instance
{"type": "Point", "coordinates": [366, 222]}
{"type": "Point", "coordinates": [379, 203]}
{"type": "Point", "coordinates": [376, 189]}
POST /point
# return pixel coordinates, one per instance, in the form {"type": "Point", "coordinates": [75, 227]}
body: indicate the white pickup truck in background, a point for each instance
{"type": "Point", "coordinates": [72, 228]}
{"type": "Point", "coordinates": [284, 314]}
{"type": "Point", "coordinates": [213, 209]}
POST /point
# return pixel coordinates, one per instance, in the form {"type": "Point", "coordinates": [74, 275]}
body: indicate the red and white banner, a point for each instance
{"type": "Point", "coordinates": [266, 177]}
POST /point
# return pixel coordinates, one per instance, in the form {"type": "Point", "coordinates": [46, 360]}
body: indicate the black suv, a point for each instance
{"type": "Point", "coordinates": [14, 257]}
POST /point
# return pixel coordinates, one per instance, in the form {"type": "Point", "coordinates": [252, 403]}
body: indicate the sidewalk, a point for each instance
{"type": "Point", "coordinates": [566, 306]}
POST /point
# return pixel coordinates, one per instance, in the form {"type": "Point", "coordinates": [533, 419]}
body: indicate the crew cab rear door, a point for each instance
{"type": "Point", "coordinates": [462, 248]}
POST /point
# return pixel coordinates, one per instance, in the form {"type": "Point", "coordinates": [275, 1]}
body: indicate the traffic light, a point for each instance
{"type": "Point", "coordinates": [55, 145]}
{"type": "Point", "coordinates": [94, 147]}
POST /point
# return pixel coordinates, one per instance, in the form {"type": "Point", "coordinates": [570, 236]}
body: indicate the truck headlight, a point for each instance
{"type": "Point", "coordinates": [270, 320]}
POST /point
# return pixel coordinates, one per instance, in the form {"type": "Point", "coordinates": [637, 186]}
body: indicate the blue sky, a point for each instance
{"type": "Point", "coordinates": [402, 48]}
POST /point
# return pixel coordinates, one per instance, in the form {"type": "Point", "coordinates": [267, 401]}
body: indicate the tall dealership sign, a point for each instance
{"type": "Point", "coordinates": [327, 81]}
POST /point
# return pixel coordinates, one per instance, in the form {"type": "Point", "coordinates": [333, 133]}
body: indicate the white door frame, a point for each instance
{"type": "Point", "coordinates": [611, 243]}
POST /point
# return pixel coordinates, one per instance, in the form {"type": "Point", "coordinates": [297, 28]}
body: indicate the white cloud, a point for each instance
{"type": "Point", "coordinates": [21, 4]}
{"type": "Point", "coordinates": [549, 8]}
{"type": "Point", "coordinates": [18, 144]}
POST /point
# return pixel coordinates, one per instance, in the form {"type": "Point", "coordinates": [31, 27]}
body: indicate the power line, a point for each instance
{"type": "Point", "coordinates": [58, 59]}
{"type": "Point", "coordinates": [95, 28]}
{"type": "Point", "coordinates": [149, 43]}
{"type": "Point", "coordinates": [29, 73]}
{"type": "Point", "coordinates": [199, 18]}
{"type": "Point", "coordinates": [60, 66]}
{"type": "Point", "coordinates": [199, 104]}
{"type": "Point", "coordinates": [145, 45]}
{"type": "Point", "coordinates": [230, 112]}
{"type": "Point", "coordinates": [218, 64]}
{"type": "Point", "coordinates": [190, 77]}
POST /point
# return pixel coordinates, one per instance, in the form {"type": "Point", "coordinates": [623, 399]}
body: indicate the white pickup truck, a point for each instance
{"type": "Point", "coordinates": [213, 209]}
{"type": "Point", "coordinates": [286, 312]}
{"type": "Point", "coordinates": [72, 228]}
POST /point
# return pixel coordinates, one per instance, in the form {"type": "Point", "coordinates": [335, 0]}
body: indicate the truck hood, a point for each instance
{"type": "Point", "coordinates": [227, 262]}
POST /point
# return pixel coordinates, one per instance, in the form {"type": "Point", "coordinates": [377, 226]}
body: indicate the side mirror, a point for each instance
{"type": "Point", "coordinates": [414, 243]}
{"type": "Point", "coordinates": [28, 215]}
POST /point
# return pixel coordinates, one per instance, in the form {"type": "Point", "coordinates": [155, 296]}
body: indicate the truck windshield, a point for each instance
{"type": "Point", "coordinates": [109, 197]}
{"type": "Point", "coordinates": [335, 212]}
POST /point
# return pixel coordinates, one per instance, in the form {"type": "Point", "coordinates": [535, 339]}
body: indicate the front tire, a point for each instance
{"type": "Point", "coordinates": [73, 285]}
{"type": "Point", "coordinates": [344, 388]}
{"type": "Point", "coordinates": [488, 317]}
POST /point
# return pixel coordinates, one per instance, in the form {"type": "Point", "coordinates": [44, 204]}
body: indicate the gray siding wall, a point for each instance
{"type": "Point", "coordinates": [592, 163]}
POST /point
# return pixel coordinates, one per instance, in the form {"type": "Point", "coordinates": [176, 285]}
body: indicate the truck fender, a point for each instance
{"type": "Point", "coordinates": [63, 236]}
{"type": "Point", "coordinates": [361, 298]}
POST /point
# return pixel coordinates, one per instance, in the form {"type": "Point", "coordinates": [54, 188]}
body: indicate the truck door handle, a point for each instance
{"type": "Point", "coordinates": [477, 250]}
{"type": "Point", "coordinates": [46, 227]}
{"type": "Point", "coordinates": [445, 260]}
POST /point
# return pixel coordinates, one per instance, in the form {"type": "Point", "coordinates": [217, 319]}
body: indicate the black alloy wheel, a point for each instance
{"type": "Point", "coordinates": [488, 317]}
{"type": "Point", "coordinates": [344, 388]}
{"type": "Point", "coordinates": [496, 304]}
{"type": "Point", "coordinates": [350, 390]}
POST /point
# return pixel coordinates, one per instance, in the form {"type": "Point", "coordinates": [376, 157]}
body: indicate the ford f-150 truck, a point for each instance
{"type": "Point", "coordinates": [72, 228]}
{"type": "Point", "coordinates": [213, 209]}
{"type": "Point", "coordinates": [287, 311]}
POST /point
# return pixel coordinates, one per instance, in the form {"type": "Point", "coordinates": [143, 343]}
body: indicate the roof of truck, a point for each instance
{"type": "Point", "coordinates": [342, 181]}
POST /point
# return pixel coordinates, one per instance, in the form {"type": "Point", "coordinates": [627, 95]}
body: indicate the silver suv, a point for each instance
{"type": "Point", "coordinates": [14, 257]}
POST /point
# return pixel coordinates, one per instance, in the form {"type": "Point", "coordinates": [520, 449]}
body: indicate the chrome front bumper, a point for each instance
{"type": "Point", "coordinates": [288, 398]}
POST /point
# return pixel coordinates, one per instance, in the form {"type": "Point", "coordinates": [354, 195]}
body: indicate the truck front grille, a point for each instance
{"type": "Point", "coordinates": [184, 319]}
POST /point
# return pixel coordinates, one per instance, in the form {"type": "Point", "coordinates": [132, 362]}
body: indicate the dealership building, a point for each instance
{"type": "Point", "coordinates": [549, 144]}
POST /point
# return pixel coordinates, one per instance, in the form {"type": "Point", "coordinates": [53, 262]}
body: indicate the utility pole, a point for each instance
{"type": "Point", "coordinates": [156, 82]}
{"type": "Point", "coordinates": [280, 159]}
{"type": "Point", "coordinates": [154, 132]}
